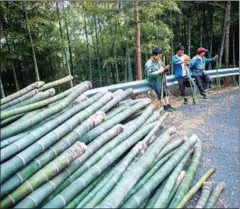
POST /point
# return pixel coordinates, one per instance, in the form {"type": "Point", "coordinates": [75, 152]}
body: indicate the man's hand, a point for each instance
{"type": "Point", "coordinates": [216, 57]}
{"type": "Point", "coordinates": [166, 68]}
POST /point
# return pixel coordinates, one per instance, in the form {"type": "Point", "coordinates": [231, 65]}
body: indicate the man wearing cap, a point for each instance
{"type": "Point", "coordinates": [197, 65]}
{"type": "Point", "coordinates": [155, 70]}
{"type": "Point", "coordinates": [180, 62]}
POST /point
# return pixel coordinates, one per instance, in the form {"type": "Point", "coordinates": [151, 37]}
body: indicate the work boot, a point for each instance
{"type": "Point", "coordinates": [204, 96]}
{"type": "Point", "coordinates": [171, 107]}
{"type": "Point", "coordinates": [166, 108]}
{"type": "Point", "coordinates": [185, 101]}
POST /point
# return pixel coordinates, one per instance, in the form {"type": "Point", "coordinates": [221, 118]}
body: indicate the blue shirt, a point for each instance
{"type": "Point", "coordinates": [197, 64]}
{"type": "Point", "coordinates": [178, 66]}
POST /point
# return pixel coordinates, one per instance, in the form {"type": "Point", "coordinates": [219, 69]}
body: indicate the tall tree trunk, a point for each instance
{"type": "Point", "coordinates": [33, 51]}
{"type": "Point", "coordinates": [69, 43]}
{"type": "Point", "coordinates": [233, 47]}
{"type": "Point", "coordinates": [189, 35]}
{"type": "Point", "coordinates": [97, 50]}
{"type": "Point", "coordinates": [88, 50]}
{"type": "Point", "coordinates": [222, 42]}
{"type": "Point", "coordinates": [138, 43]}
{"type": "Point", "coordinates": [15, 76]}
{"type": "Point", "coordinates": [2, 88]}
{"type": "Point", "coordinates": [172, 50]}
{"type": "Point", "coordinates": [201, 32]}
{"type": "Point", "coordinates": [211, 39]}
{"type": "Point", "coordinates": [129, 75]}
{"type": "Point", "coordinates": [116, 65]}
{"type": "Point", "coordinates": [228, 14]}
{"type": "Point", "coordinates": [63, 48]}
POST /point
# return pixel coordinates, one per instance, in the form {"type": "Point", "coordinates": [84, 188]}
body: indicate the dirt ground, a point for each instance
{"type": "Point", "coordinates": [216, 122]}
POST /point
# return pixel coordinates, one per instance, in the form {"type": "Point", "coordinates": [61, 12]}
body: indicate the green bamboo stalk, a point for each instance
{"type": "Point", "coordinates": [195, 188]}
{"type": "Point", "coordinates": [43, 175]}
{"type": "Point", "coordinates": [176, 186]}
{"type": "Point", "coordinates": [140, 146]}
{"type": "Point", "coordinates": [83, 181]}
{"type": "Point", "coordinates": [115, 111]}
{"type": "Point", "coordinates": [140, 168]}
{"type": "Point", "coordinates": [11, 119]}
{"type": "Point", "coordinates": [12, 139]}
{"type": "Point", "coordinates": [45, 128]}
{"type": "Point", "coordinates": [206, 191]}
{"type": "Point", "coordinates": [117, 119]}
{"type": "Point", "coordinates": [153, 118]}
{"type": "Point", "coordinates": [130, 102]}
{"type": "Point", "coordinates": [19, 99]}
{"type": "Point", "coordinates": [152, 183]}
{"type": "Point", "coordinates": [155, 195]}
{"type": "Point", "coordinates": [144, 203]}
{"type": "Point", "coordinates": [36, 98]}
{"type": "Point", "coordinates": [7, 168]}
{"type": "Point", "coordinates": [116, 99]}
{"type": "Point", "coordinates": [215, 195]}
{"type": "Point", "coordinates": [83, 194]}
{"type": "Point", "coordinates": [162, 200]}
{"type": "Point", "coordinates": [128, 131]}
{"type": "Point", "coordinates": [56, 83]}
{"type": "Point", "coordinates": [7, 132]}
{"type": "Point", "coordinates": [21, 92]}
{"type": "Point", "coordinates": [81, 87]}
{"type": "Point", "coordinates": [46, 190]}
{"type": "Point", "coordinates": [160, 159]}
{"type": "Point", "coordinates": [191, 172]}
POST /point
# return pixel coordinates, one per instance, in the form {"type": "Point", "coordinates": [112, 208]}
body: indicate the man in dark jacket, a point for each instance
{"type": "Point", "coordinates": [197, 66]}
{"type": "Point", "coordinates": [155, 72]}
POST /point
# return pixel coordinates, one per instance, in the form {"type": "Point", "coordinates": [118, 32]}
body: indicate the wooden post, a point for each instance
{"type": "Point", "coordinates": [227, 30]}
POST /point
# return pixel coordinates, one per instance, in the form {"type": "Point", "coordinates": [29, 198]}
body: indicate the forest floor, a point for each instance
{"type": "Point", "coordinates": [216, 122]}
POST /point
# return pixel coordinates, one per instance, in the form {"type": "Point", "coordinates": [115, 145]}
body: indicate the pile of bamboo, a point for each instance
{"type": "Point", "coordinates": [105, 151]}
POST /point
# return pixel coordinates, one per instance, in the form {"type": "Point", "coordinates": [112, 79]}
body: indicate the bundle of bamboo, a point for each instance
{"type": "Point", "coordinates": [127, 162]}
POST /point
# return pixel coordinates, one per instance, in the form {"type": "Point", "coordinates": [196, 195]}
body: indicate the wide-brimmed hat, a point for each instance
{"type": "Point", "coordinates": [201, 49]}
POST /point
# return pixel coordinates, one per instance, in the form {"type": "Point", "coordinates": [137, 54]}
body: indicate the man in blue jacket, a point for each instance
{"type": "Point", "coordinates": [197, 65]}
{"type": "Point", "coordinates": [155, 72]}
{"type": "Point", "coordinates": [180, 61]}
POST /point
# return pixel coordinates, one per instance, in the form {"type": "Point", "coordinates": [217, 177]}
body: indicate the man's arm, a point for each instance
{"type": "Point", "coordinates": [192, 62]}
{"type": "Point", "coordinates": [175, 60]}
{"type": "Point", "coordinates": [211, 60]}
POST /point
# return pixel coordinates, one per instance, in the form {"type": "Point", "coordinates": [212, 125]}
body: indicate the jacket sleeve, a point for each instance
{"type": "Point", "coordinates": [150, 71]}
{"type": "Point", "coordinates": [210, 60]}
{"type": "Point", "coordinates": [175, 60]}
{"type": "Point", "coordinates": [192, 62]}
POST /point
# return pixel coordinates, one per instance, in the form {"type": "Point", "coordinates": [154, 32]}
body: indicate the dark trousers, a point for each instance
{"type": "Point", "coordinates": [206, 81]}
{"type": "Point", "coordinates": [156, 84]}
{"type": "Point", "coordinates": [182, 83]}
{"type": "Point", "coordinates": [199, 81]}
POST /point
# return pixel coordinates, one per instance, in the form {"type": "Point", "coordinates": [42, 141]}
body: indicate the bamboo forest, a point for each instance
{"type": "Point", "coordinates": [119, 104]}
{"type": "Point", "coordinates": [96, 41]}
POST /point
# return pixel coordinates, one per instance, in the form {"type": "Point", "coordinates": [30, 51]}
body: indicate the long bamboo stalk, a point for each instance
{"type": "Point", "coordinates": [117, 119]}
{"type": "Point", "coordinates": [22, 92]}
{"type": "Point", "coordinates": [191, 172]}
{"type": "Point", "coordinates": [153, 182]}
{"type": "Point", "coordinates": [115, 111]}
{"type": "Point", "coordinates": [12, 139]}
{"type": "Point", "coordinates": [117, 99]}
{"type": "Point", "coordinates": [206, 191]}
{"type": "Point", "coordinates": [44, 175]}
{"type": "Point", "coordinates": [45, 113]}
{"type": "Point", "coordinates": [215, 195]}
{"type": "Point", "coordinates": [46, 190]}
{"type": "Point", "coordinates": [83, 181]}
{"type": "Point", "coordinates": [195, 188]}
{"type": "Point", "coordinates": [56, 83]}
{"type": "Point", "coordinates": [11, 119]}
{"type": "Point", "coordinates": [142, 165]}
{"type": "Point", "coordinates": [162, 201]}
{"type": "Point", "coordinates": [154, 117]}
{"type": "Point", "coordinates": [19, 99]}
{"type": "Point", "coordinates": [47, 127]}
{"type": "Point", "coordinates": [36, 98]}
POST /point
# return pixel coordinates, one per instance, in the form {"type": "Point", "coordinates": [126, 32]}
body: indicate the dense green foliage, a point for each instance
{"type": "Point", "coordinates": [96, 40]}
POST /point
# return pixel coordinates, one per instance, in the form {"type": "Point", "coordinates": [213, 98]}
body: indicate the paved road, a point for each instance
{"type": "Point", "coordinates": [216, 123]}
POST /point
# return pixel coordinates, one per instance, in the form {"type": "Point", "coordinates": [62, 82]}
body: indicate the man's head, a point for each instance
{"type": "Point", "coordinates": [180, 51]}
{"type": "Point", "coordinates": [156, 53]}
{"type": "Point", "coordinates": [201, 51]}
